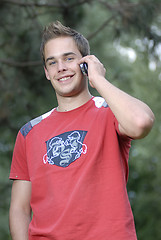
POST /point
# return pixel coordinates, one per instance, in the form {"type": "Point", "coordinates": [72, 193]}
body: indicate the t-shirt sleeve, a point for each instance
{"type": "Point", "coordinates": [19, 168]}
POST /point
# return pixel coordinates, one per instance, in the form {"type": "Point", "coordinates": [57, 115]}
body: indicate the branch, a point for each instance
{"type": "Point", "coordinates": [101, 27]}
{"type": "Point", "coordinates": [80, 2]}
{"type": "Point", "coordinates": [33, 15]}
{"type": "Point", "coordinates": [24, 4]}
{"type": "Point", "coordinates": [59, 5]}
{"type": "Point", "coordinates": [121, 4]}
{"type": "Point", "coordinates": [12, 63]}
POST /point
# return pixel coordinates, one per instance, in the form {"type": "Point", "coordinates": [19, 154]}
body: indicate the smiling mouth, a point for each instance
{"type": "Point", "coordinates": [63, 79]}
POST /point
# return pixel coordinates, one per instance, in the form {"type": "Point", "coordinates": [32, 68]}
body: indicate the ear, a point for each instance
{"type": "Point", "coordinates": [46, 73]}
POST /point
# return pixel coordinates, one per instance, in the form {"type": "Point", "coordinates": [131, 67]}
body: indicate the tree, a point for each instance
{"type": "Point", "coordinates": [25, 93]}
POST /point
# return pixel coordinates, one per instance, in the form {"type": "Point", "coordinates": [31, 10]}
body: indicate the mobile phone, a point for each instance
{"type": "Point", "coordinates": [84, 68]}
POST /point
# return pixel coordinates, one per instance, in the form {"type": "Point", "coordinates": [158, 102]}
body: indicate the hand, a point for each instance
{"type": "Point", "coordinates": [95, 69]}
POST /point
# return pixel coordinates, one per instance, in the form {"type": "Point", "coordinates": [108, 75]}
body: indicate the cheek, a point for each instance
{"type": "Point", "coordinates": [49, 74]}
{"type": "Point", "coordinates": [78, 70]}
{"type": "Point", "coordinates": [74, 65]}
{"type": "Point", "coordinates": [46, 73]}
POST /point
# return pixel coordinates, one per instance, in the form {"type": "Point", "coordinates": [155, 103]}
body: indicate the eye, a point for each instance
{"type": "Point", "coordinates": [52, 63]}
{"type": "Point", "coordinates": [69, 59]}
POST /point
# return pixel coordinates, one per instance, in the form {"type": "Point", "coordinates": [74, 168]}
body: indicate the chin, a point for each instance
{"type": "Point", "coordinates": [70, 93]}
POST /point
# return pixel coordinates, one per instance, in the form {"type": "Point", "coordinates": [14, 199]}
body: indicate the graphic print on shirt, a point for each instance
{"type": "Point", "coordinates": [65, 148]}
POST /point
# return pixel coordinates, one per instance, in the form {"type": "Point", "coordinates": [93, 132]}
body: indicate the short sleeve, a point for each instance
{"type": "Point", "coordinates": [19, 168]}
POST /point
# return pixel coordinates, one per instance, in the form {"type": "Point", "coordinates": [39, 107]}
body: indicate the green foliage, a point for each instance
{"type": "Point", "coordinates": [25, 93]}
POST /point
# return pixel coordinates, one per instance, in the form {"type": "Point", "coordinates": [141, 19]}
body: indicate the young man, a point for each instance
{"type": "Point", "coordinates": [70, 166]}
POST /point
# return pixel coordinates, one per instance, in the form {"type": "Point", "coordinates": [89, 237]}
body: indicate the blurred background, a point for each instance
{"type": "Point", "coordinates": [126, 36]}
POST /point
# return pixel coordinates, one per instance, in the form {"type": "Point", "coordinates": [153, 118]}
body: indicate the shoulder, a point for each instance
{"type": "Point", "coordinates": [100, 102]}
{"type": "Point", "coordinates": [29, 125]}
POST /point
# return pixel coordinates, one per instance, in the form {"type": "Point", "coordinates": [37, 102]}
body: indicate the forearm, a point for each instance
{"type": "Point", "coordinates": [135, 117]}
{"type": "Point", "coordinates": [19, 224]}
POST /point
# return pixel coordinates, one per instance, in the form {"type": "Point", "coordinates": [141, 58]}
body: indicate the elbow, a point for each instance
{"type": "Point", "coordinates": [143, 125]}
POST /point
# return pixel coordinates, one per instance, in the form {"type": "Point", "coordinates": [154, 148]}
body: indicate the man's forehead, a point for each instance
{"type": "Point", "coordinates": [61, 46]}
{"type": "Point", "coordinates": [66, 54]}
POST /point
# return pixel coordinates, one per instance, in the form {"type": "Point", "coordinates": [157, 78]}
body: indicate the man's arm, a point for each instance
{"type": "Point", "coordinates": [20, 210]}
{"type": "Point", "coordinates": [135, 117]}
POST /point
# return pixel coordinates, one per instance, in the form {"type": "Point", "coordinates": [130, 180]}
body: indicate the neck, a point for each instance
{"type": "Point", "coordinates": [71, 103]}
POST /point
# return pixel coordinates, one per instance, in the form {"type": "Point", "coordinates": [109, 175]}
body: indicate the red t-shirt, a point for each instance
{"type": "Point", "coordinates": [77, 162]}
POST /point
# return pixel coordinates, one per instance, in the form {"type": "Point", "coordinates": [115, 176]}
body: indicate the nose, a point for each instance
{"type": "Point", "coordinates": [61, 66]}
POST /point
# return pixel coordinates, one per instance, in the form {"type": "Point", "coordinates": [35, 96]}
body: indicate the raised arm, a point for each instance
{"type": "Point", "coordinates": [135, 117]}
{"type": "Point", "coordinates": [20, 211]}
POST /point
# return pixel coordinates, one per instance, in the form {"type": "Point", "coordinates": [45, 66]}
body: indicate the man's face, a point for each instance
{"type": "Point", "coordinates": [62, 68]}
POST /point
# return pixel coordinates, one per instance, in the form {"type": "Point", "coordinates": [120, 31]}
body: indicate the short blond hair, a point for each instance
{"type": "Point", "coordinates": [56, 29]}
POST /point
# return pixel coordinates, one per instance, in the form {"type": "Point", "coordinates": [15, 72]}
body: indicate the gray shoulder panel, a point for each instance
{"type": "Point", "coordinates": [28, 126]}
{"type": "Point", "coordinates": [35, 121]}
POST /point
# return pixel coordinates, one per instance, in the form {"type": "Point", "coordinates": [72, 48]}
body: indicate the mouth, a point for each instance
{"type": "Point", "coordinates": [65, 78]}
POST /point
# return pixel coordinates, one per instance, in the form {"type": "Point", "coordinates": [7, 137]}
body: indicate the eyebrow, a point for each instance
{"type": "Point", "coordinates": [64, 55]}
